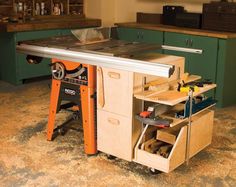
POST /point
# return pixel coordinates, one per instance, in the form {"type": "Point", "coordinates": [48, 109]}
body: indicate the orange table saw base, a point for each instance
{"type": "Point", "coordinates": [87, 96]}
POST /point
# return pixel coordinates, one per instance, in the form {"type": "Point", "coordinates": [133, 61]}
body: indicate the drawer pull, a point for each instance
{"type": "Point", "coordinates": [113, 121]}
{"type": "Point", "coordinates": [191, 43]}
{"type": "Point", "coordinates": [114, 75]}
{"type": "Point", "coordinates": [182, 49]}
{"type": "Point", "coordinates": [101, 97]}
{"type": "Point", "coordinates": [186, 42]}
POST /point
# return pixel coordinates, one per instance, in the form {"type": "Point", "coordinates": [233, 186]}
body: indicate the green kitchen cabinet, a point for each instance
{"type": "Point", "coordinates": [140, 35]}
{"type": "Point", "coordinates": [13, 66]}
{"type": "Point", "coordinates": [226, 76]}
{"type": "Point", "coordinates": [203, 64]}
{"type": "Point", "coordinates": [65, 32]}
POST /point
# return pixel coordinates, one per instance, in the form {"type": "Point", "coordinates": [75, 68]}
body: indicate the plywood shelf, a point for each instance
{"type": "Point", "coordinates": [172, 97]}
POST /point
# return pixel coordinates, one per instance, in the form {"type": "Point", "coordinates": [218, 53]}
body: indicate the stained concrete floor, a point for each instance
{"type": "Point", "coordinates": [27, 159]}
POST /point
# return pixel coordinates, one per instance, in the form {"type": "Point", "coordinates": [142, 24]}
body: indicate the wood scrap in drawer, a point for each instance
{"type": "Point", "coordinates": [165, 150]}
{"type": "Point", "coordinates": [152, 145]}
{"type": "Point", "coordinates": [157, 147]}
{"type": "Point", "coordinates": [168, 135]}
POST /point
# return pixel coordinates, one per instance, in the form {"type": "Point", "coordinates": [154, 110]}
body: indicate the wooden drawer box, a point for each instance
{"type": "Point", "coordinates": [114, 135]}
{"type": "Point", "coordinates": [201, 135]}
{"type": "Point", "coordinates": [116, 89]}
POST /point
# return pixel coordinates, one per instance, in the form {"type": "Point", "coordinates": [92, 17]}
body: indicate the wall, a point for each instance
{"type": "Point", "coordinates": [103, 9]}
{"type": "Point", "coordinates": [111, 11]}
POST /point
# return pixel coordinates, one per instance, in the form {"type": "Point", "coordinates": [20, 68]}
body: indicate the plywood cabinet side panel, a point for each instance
{"type": "Point", "coordinates": [201, 131]}
{"type": "Point", "coordinates": [178, 153]}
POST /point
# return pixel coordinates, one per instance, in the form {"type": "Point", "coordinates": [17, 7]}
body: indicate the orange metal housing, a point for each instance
{"type": "Point", "coordinates": [87, 105]}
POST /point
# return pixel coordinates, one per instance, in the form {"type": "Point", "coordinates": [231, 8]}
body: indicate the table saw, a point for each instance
{"type": "Point", "coordinates": [74, 63]}
{"type": "Point", "coordinates": [108, 77]}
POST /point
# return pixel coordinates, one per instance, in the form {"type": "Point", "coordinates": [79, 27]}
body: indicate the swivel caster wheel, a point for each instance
{"type": "Point", "coordinates": [76, 116]}
{"type": "Point", "coordinates": [62, 131]}
{"type": "Point", "coordinates": [111, 157]}
{"type": "Point", "coordinates": [154, 171]}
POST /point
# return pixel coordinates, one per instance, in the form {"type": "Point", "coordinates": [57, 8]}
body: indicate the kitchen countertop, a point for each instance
{"type": "Point", "coordinates": [167, 28]}
{"type": "Point", "coordinates": [49, 24]}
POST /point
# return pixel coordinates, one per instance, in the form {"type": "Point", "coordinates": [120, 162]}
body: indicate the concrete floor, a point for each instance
{"type": "Point", "coordinates": [27, 159]}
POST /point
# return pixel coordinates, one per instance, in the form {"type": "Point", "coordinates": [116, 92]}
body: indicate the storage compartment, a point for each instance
{"type": "Point", "coordinates": [114, 134]}
{"type": "Point", "coordinates": [115, 88]}
{"type": "Point", "coordinates": [219, 16]}
{"type": "Point", "coordinates": [200, 137]}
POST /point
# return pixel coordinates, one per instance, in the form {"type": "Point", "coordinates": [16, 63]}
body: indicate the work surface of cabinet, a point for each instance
{"type": "Point", "coordinates": [215, 62]}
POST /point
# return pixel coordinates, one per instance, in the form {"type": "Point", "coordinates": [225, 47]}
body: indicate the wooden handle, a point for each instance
{"type": "Point", "coordinates": [101, 98]}
{"type": "Point", "coordinates": [113, 121]}
{"type": "Point", "coordinates": [114, 75]}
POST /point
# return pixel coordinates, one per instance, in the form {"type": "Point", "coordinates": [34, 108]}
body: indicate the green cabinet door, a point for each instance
{"type": "Point", "coordinates": [226, 76]}
{"type": "Point", "coordinates": [204, 64]}
{"type": "Point", "coordinates": [128, 34]}
{"type": "Point", "coordinates": [150, 36]}
{"type": "Point", "coordinates": [200, 64]}
{"type": "Point", "coordinates": [177, 40]}
{"type": "Point", "coordinates": [65, 32]}
{"type": "Point", "coordinates": [140, 35]}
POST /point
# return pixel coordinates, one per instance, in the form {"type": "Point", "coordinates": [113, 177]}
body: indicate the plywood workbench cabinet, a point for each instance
{"type": "Point", "coordinates": [118, 133]}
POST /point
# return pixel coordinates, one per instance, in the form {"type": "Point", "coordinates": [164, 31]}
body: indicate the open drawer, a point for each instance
{"type": "Point", "coordinates": [200, 137]}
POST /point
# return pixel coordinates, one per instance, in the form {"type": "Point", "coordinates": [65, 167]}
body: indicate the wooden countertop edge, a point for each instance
{"type": "Point", "coordinates": [198, 32]}
{"type": "Point", "coordinates": [44, 25]}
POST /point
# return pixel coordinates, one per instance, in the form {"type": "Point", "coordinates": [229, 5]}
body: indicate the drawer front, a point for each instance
{"type": "Point", "coordinates": [128, 34]}
{"type": "Point", "coordinates": [149, 36]}
{"type": "Point", "coordinates": [116, 88]}
{"type": "Point", "coordinates": [175, 39]}
{"type": "Point", "coordinates": [191, 41]}
{"type": "Point", "coordinates": [140, 35]}
{"type": "Point", "coordinates": [114, 134]}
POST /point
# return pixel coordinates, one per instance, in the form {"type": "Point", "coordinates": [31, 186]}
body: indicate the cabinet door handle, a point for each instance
{"type": "Point", "coordinates": [142, 35]}
{"type": "Point", "coordinates": [191, 43]}
{"type": "Point", "coordinates": [138, 35]}
{"type": "Point", "coordinates": [186, 42]}
{"type": "Point", "coordinates": [114, 75]}
{"type": "Point", "coordinates": [113, 121]}
{"type": "Point", "coordinates": [101, 97]}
